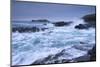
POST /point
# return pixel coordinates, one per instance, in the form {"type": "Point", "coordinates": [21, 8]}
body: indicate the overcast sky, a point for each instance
{"type": "Point", "coordinates": [53, 12]}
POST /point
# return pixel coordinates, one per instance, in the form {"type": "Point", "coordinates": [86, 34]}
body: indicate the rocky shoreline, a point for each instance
{"type": "Point", "coordinates": [90, 22]}
{"type": "Point", "coordinates": [54, 59]}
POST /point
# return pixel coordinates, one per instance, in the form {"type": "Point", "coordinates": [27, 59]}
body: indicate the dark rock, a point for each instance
{"type": "Point", "coordinates": [59, 54]}
{"type": "Point", "coordinates": [25, 29]}
{"type": "Point", "coordinates": [61, 61]}
{"type": "Point", "coordinates": [92, 54]}
{"type": "Point", "coordinates": [65, 61]}
{"type": "Point", "coordinates": [44, 24]}
{"type": "Point", "coordinates": [43, 29]}
{"type": "Point", "coordinates": [90, 19]}
{"type": "Point", "coordinates": [54, 59]}
{"type": "Point", "coordinates": [82, 43]}
{"type": "Point", "coordinates": [51, 59]}
{"type": "Point", "coordinates": [82, 26]}
{"type": "Point", "coordinates": [41, 20]}
{"type": "Point", "coordinates": [15, 66]}
{"type": "Point", "coordinates": [50, 31]}
{"type": "Point", "coordinates": [80, 48]}
{"type": "Point", "coordinates": [62, 23]}
{"type": "Point", "coordinates": [84, 58]}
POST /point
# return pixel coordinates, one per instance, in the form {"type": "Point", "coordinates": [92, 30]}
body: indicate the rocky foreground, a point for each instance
{"type": "Point", "coordinates": [56, 59]}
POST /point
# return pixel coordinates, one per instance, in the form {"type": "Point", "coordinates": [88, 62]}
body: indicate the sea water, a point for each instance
{"type": "Point", "coordinates": [31, 46]}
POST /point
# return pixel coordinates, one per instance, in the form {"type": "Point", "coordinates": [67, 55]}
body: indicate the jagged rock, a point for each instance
{"type": "Point", "coordinates": [54, 59]}
{"type": "Point", "coordinates": [51, 59]}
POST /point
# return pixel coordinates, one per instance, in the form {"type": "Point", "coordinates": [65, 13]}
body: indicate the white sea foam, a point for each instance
{"type": "Point", "coordinates": [28, 47]}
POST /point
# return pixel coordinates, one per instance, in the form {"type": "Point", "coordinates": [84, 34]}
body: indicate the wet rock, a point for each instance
{"type": "Point", "coordinates": [43, 29]}
{"type": "Point", "coordinates": [51, 59]}
{"type": "Point", "coordinates": [56, 58]}
{"type": "Point", "coordinates": [82, 43]}
{"type": "Point", "coordinates": [59, 54]}
{"type": "Point", "coordinates": [82, 26]}
{"type": "Point", "coordinates": [84, 58]}
{"type": "Point", "coordinates": [41, 20]}
{"type": "Point", "coordinates": [90, 19]}
{"type": "Point", "coordinates": [15, 66]}
{"type": "Point", "coordinates": [61, 23]}
{"type": "Point", "coordinates": [80, 47]}
{"type": "Point", "coordinates": [92, 54]}
{"type": "Point", "coordinates": [44, 24]}
{"type": "Point", "coordinates": [25, 29]}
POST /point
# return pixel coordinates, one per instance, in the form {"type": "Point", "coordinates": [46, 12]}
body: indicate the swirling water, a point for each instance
{"type": "Point", "coordinates": [29, 47]}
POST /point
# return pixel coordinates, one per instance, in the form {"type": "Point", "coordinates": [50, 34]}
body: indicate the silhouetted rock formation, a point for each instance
{"type": "Point", "coordinates": [25, 29]}
{"type": "Point", "coordinates": [62, 23]}
{"type": "Point", "coordinates": [41, 20]}
{"type": "Point", "coordinates": [82, 26]}
{"type": "Point", "coordinates": [90, 19]}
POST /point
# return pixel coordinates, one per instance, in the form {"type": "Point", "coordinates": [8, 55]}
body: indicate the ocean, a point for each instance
{"type": "Point", "coordinates": [28, 47]}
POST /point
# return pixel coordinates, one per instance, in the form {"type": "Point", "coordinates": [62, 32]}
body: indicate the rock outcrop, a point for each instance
{"type": "Point", "coordinates": [90, 19]}
{"type": "Point", "coordinates": [41, 20]}
{"type": "Point", "coordinates": [56, 58]}
{"type": "Point", "coordinates": [52, 59]}
{"type": "Point", "coordinates": [82, 26]}
{"type": "Point", "coordinates": [62, 23]}
{"type": "Point", "coordinates": [25, 29]}
{"type": "Point", "coordinates": [92, 54]}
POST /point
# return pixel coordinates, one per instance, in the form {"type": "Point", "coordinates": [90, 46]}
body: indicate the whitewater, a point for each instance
{"type": "Point", "coordinates": [31, 46]}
